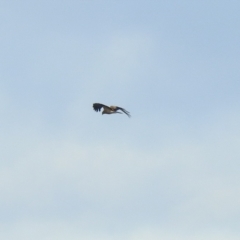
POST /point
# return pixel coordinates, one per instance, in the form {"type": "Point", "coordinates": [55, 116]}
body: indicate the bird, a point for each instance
{"type": "Point", "coordinates": [109, 110]}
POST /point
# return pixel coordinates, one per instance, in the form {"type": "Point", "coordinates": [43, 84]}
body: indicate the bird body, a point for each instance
{"type": "Point", "coordinates": [109, 110]}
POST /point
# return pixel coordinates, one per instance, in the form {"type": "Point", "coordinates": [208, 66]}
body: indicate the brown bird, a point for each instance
{"type": "Point", "coordinates": [109, 110]}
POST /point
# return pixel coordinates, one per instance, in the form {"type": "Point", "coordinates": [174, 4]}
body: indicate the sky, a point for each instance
{"type": "Point", "coordinates": [171, 171]}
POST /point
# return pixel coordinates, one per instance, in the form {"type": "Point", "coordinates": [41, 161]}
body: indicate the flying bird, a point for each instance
{"type": "Point", "coordinates": [109, 110]}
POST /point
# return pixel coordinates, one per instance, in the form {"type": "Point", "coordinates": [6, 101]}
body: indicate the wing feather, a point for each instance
{"type": "Point", "coordinates": [123, 110]}
{"type": "Point", "coordinates": [97, 107]}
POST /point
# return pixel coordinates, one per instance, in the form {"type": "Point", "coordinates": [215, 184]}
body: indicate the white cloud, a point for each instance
{"type": "Point", "coordinates": [66, 172]}
{"type": "Point", "coordinates": [116, 176]}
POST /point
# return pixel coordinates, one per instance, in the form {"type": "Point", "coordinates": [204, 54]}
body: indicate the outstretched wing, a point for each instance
{"type": "Point", "coordinates": [97, 107]}
{"type": "Point", "coordinates": [122, 109]}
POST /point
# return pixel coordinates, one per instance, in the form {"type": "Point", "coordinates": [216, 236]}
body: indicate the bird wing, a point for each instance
{"type": "Point", "coordinates": [97, 107]}
{"type": "Point", "coordinates": [115, 108]}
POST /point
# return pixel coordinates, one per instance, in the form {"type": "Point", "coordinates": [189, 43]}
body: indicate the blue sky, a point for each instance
{"type": "Point", "coordinates": [169, 172]}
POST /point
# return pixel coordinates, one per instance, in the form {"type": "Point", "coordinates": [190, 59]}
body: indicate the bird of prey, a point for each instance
{"type": "Point", "coordinates": [109, 110]}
